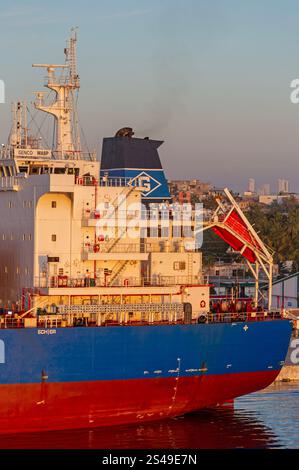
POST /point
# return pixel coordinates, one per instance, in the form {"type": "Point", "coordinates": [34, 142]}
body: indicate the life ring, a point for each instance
{"type": "Point", "coordinates": [202, 304]}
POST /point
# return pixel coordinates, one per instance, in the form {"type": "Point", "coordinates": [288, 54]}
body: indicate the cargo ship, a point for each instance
{"type": "Point", "coordinates": [106, 314]}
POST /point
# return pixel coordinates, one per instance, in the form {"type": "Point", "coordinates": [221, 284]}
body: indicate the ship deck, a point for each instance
{"type": "Point", "coordinates": [50, 321]}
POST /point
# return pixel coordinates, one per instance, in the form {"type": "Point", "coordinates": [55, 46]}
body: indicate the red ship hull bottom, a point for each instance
{"type": "Point", "coordinates": [69, 405]}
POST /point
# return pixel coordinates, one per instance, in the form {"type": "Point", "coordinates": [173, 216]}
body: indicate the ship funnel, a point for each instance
{"type": "Point", "coordinates": [129, 157]}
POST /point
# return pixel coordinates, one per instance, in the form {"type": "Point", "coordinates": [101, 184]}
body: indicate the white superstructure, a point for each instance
{"type": "Point", "coordinates": [59, 244]}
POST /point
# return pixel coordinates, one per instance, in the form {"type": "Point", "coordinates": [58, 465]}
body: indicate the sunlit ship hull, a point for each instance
{"type": "Point", "coordinates": [90, 377]}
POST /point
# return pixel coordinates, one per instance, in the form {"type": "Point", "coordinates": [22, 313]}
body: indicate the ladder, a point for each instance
{"type": "Point", "coordinates": [120, 267]}
{"type": "Point", "coordinates": [117, 239]}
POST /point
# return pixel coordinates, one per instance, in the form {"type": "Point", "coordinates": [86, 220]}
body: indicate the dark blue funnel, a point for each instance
{"type": "Point", "coordinates": [133, 158]}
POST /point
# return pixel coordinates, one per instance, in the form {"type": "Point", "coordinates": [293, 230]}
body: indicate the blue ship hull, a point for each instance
{"type": "Point", "coordinates": [93, 376]}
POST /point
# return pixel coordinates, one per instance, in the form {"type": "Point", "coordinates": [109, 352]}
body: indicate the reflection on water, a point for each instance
{"type": "Point", "coordinates": [262, 420]}
{"type": "Point", "coordinates": [278, 408]}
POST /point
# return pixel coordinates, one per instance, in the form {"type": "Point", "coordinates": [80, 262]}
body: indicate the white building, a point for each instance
{"type": "Point", "coordinates": [285, 292]}
{"type": "Point", "coordinates": [283, 186]}
{"type": "Point", "coordinates": [251, 185]}
{"type": "Point", "coordinates": [265, 189]}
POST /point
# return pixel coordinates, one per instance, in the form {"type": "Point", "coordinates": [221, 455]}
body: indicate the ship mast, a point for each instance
{"type": "Point", "coordinates": [63, 108]}
{"type": "Point", "coordinates": [19, 132]}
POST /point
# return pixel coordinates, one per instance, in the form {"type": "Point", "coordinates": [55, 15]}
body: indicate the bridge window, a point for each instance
{"type": "Point", "coordinates": [53, 238]}
{"type": "Point", "coordinates": [23, 169]}
{"type": "Point", "coordinates": [35, 170]}
{"type": "Point", "coordinates": [54, 204]}
{"type": "Point", "coordinates": [179, 265]}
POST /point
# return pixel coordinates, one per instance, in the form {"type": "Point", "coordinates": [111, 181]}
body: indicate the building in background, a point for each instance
{"type": "Point", "coordinates": [280, 198]}
{"type": "Point", "coordinates": [232, 270]}
{"type": "Point", "coordinates": [285, 292]}
{"type": "Point", "coordinates": [283, 186]}
{"type": "Point", "coordinates": [228, 270]}
{"type": "Point", "coordinates": [265, 189]}
{"type": "Point", "coordinates": [251, 185]}
{"type": "Point", "coordinates": [184, 197]}
{"type": "Point", "coordinates": [183, 190]}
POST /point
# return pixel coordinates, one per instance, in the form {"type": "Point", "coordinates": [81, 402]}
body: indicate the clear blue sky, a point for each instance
{"type": "Point", "coordinates": [211, 77]}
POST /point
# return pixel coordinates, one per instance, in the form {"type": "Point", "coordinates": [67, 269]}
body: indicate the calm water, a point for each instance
{"type": "Point", "coordinates": [268, 419]}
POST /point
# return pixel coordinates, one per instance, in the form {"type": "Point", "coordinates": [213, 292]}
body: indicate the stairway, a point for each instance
{"type": "Point", "coordinates": [123, 193]}
{"type": "Point", "coordinates": [124, 229]}
{"type": "Point", "coordinates": [120, 267]}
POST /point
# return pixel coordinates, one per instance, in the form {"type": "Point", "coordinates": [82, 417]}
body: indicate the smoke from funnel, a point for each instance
{"type": "Point", "coordinates": [170, 74]}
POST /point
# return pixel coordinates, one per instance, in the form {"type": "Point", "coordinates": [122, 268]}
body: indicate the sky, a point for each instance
{"type": "Point", "coordinates": [210, 78]}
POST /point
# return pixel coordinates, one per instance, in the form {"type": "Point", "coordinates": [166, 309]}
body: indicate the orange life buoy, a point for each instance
{"type": "Point", "coordinates": [202, 304]}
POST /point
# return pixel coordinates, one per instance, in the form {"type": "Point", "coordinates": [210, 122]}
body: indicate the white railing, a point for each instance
{"type": "Point", "coordinates": [6, 153]}
{"type": "Point", "coordinates": [159, 214]}
{"type": "Point", "coordinates": [74, 155]}
{"type": "Point", "coordinates": [159, 247]}
{"type": "Point", "coordinates": [117, 314]}
{"type": "Point", "coordinates": [118, 248]}
{"type": "Point", "coordinates": [137, 314]}
{"type": "Point", "coordinates": [103, 281]}
{"type": "Point", "coordinates": [9, 183]}
{"type": "Point", "coordinates": [115, 182]}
